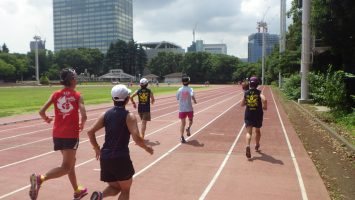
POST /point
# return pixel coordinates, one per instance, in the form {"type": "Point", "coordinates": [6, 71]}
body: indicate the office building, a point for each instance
{"type": "Point", "coordinates": [199, 46]}
{"type": "Point", "coordinates": [255, 43]}
{"type": "Point", "coordinates": [91, 23]}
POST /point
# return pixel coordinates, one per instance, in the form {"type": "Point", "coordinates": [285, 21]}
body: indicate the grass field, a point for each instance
{"type": "Point", "coordinates": [20, 100]}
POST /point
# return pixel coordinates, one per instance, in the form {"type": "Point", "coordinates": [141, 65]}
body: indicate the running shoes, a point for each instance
{"type": "Point", "coordinates": [96, 196]}
{"type": "Point", "coordinates": [247, 152]}
{"type": "Point", "coordinates": [80, 193]}
{"type": "Point", "coordinates": [182, 139]}
{"type": "Point", "coordinates": [257, 147]}
{"type": "Point", "coordinates": [36, 182]}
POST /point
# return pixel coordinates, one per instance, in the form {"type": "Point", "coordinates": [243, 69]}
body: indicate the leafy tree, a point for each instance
{"type": "Point", "coordinates": [6, 70]}
{"type": "Point", "coordinates": [5, 49]}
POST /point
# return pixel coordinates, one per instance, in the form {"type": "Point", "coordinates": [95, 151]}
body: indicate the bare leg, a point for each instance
{"type": "Point", "coordinates": [143, 128]}
{"type": "Point", "coordinates": [248, 135]}
{"type": "Point", "coordinates": [182, 127]}
{"type": "Point", "coordinates": [67, 167]}
{"type": "Point", "coordinates": [257, 136]}
{"type": "Point", "coordinates": [112, 189]}
{"type": "Point", "coordinates": [190, 122]}
{"type": "Point", "coordinates": [125, 189]}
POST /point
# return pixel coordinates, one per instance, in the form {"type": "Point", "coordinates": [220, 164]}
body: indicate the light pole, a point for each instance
{"type": "Point", "coordinates": [263, 25]}
{"type": "Point", "coordinates": [282, 33]}
{"type": "Point", "coordinates": [37, 38]}
{"type": "Point", "coordinates": [306, 51]}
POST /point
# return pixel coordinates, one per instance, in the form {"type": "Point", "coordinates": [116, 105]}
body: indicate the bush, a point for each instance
{"type": "Point", "coordinates": [44, 80]}
{"type": "Point", "coordinates": [316, 89]}
{"type": "Point", "coordinates": [292, 87]}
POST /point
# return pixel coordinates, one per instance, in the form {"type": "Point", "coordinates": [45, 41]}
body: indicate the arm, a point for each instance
{"type": "Point", "coordinates": [264, 102]}
{"type": "Point", "coordinates": [152, 98]}
{"type": "Point", "coordinates": [92, 137]}
{"type": "Point", "coordinates": [131, 121]}
{"type": "Point", "coordinates": [42, 111]}
{"type": "Point", "coordinates": [194, 99]}
{"type": "Point", "coordinates": [82, 113]}
{"type": "Point", "coordinates": [193, 96]}
{"type": "Point", "coordinates": [242, 104]}
{"type": "Point", "coordinates": [132, 100]}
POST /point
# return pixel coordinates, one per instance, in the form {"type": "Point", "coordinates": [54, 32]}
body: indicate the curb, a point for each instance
{"type": "Point", "coordinates": [332, 132]}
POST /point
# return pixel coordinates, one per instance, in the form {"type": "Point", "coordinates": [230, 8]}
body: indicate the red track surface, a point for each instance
{"type": "Point", "coordinates": [212, 165]}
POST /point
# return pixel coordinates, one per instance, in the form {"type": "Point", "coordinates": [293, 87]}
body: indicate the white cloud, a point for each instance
{"type": "Point", "coordinates": [228, 21]}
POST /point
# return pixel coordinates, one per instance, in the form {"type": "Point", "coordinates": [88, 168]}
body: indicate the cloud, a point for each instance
{"type": "Point", "coordinates": [228, 21]}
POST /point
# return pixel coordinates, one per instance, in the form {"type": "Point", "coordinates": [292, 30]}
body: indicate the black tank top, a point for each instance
{"type": "Point", "coordinates": [253, 102]}
{"type": "Point", "coordinates": [143, 100]}
{"type": "Point", "coordinates": [117, 134]}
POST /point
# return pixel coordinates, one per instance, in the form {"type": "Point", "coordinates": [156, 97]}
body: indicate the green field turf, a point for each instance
{"type": "Point", "coordinates": [20, 100]}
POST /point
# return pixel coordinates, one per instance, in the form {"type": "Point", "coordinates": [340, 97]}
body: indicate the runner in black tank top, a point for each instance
{"type": "Point", "coordinates": [255, 103]}
{"type": "Point", "coordinates": [116, 165]}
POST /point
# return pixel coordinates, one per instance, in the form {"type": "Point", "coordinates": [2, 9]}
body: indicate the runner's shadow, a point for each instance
{"type": "Point", "coordinates": [149, 143]}
{"type": "Point", "coordinates": [267, 158]}
{"type": "Point", "coordinates": [195, 143]}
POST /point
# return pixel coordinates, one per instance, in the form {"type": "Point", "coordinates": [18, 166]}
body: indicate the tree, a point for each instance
{"type": "Point", "coordinates": [6, 70]}
{"type": "Point", "coordinates": [5, 49]}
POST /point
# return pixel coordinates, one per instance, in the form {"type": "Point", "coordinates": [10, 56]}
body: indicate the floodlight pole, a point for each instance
{"type": "Point", "coordinates": [37, 38]}
{"type": "Point", "coordinates": [306, 51]}
{"type": "Point", "coordinates": [263, 25]}
{"type": "Point", "coordinates": [282, 33]}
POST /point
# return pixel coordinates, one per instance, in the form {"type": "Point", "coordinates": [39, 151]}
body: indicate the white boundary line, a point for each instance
{"type": "Point", "coordinates": [293, 157]}
{"type": "Point", "coordinates": [221, 167]}
{"type": "Point", "coordinates": [178, 145]}
{"type": "Point", "coordinates": [141, 171]}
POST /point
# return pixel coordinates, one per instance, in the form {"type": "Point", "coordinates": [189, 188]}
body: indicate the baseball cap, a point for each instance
{"type": "Point", "coordinates": [120, 92]}
{"type": "Point", "coordinates": [143, 81]}
{"type": "Point", "coordinates": [254, 81]}
{"type": "Point", "coordinates": [185, 79]}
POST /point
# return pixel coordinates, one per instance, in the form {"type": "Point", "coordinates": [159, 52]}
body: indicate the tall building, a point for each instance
{"type": "Point", "coordinates": [255, 45]}
{"type": "Point", "coordinates": [91, 23]}
{"type": "Point", "coordinates": [41, 45]}
{"type": "Point", "coordinates": [199, 46]}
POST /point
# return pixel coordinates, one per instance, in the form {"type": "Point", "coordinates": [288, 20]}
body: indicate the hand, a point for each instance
{"type": "Point", "coordinates": [81, 126]}
{"type": "Point", "coordinates": [97, 153]}
{"type": "Point", "coordinates": [134, 105]}
{"type": "Point", "coordinates": [149, 150]}
{"type": "Point", "coordinates": [48, 120]}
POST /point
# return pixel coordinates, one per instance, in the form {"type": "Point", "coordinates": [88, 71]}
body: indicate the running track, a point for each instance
{"type": "Point", "coordinates": [212, 165]}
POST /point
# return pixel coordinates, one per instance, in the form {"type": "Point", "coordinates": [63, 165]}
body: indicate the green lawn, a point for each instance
{"type": "Point", "coordinates": [19, 100]}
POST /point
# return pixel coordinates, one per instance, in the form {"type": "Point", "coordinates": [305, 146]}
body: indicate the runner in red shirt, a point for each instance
{"type": "Point", "coordinates": [67, 102]}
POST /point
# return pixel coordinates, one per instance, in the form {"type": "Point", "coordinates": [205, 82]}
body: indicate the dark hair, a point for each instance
{"type": "Point", "coordinates": [66, 76]}
{"type": "Point", "coordinates": [121, 103]}
{"type": "Point", "coordinates": [185, 80]}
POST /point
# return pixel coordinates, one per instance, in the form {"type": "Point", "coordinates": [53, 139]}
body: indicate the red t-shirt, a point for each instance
{"type": "Point", "coordinates": [66, 106]}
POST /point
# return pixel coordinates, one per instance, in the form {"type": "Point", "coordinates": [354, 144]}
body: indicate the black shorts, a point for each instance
{"type": "Point", "coordinates": [65, 143]}
{"type": "Point", "coordinates": [116, 169]}
{"type": "Point", "coordinates": [254, 120]}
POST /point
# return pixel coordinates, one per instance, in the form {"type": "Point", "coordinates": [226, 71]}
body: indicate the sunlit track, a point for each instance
{"type": "Point", "coordinates": [149, 134]}
{"type": "Point", "coordinates": [21, 145]}
{"type": "Point", "coordinates": [99, 112]}
{"type": "Point", "coordinates": [18, 125]}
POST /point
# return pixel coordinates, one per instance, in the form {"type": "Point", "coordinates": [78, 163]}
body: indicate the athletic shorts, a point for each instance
{"type": "Point", "coordinates": [254, 121]}
{"type": "Point", "coordinates": [144, 116]}
{"type": "Point", "coordinates": [183, 115]}
{"type": "Point", "coordinates": [65, 143]}
{"type": "Point", "coordinates": [116, 169]}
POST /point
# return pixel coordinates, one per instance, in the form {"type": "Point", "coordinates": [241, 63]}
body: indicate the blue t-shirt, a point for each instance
{"type": "Point", "coordinates": [184, 96]}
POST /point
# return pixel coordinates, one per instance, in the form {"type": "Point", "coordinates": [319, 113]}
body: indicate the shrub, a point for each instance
{"type": "Point", "coordinates": [292, 87]}
{"type": "Point", "coordinates": [44, 80]}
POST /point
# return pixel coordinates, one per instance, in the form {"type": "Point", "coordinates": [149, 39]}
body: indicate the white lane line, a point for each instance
{"type": "Point", "coordinates": [293, 157]}
{"type": "Point", "coordinates": [221, 167]}
{"type": "Point", "coordinates": [133, 110]}
{"type": "Point", "coordinates": [141, 171]}
{"type": "Point", "coordinates": [178, 145]}
{"type": "Point", "coordinates": [34, 157]}
{"type": "Point", "coordinates": [83, 130]}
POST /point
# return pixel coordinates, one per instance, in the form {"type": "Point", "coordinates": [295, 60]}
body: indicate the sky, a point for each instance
{"type": "Point", "coordinates": [214, 21]}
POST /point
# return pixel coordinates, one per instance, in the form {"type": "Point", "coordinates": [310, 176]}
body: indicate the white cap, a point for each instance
{"type": "Point", "coordinates": [143, 81]}
{"type": "Point", "coordinates": [120, 92]}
